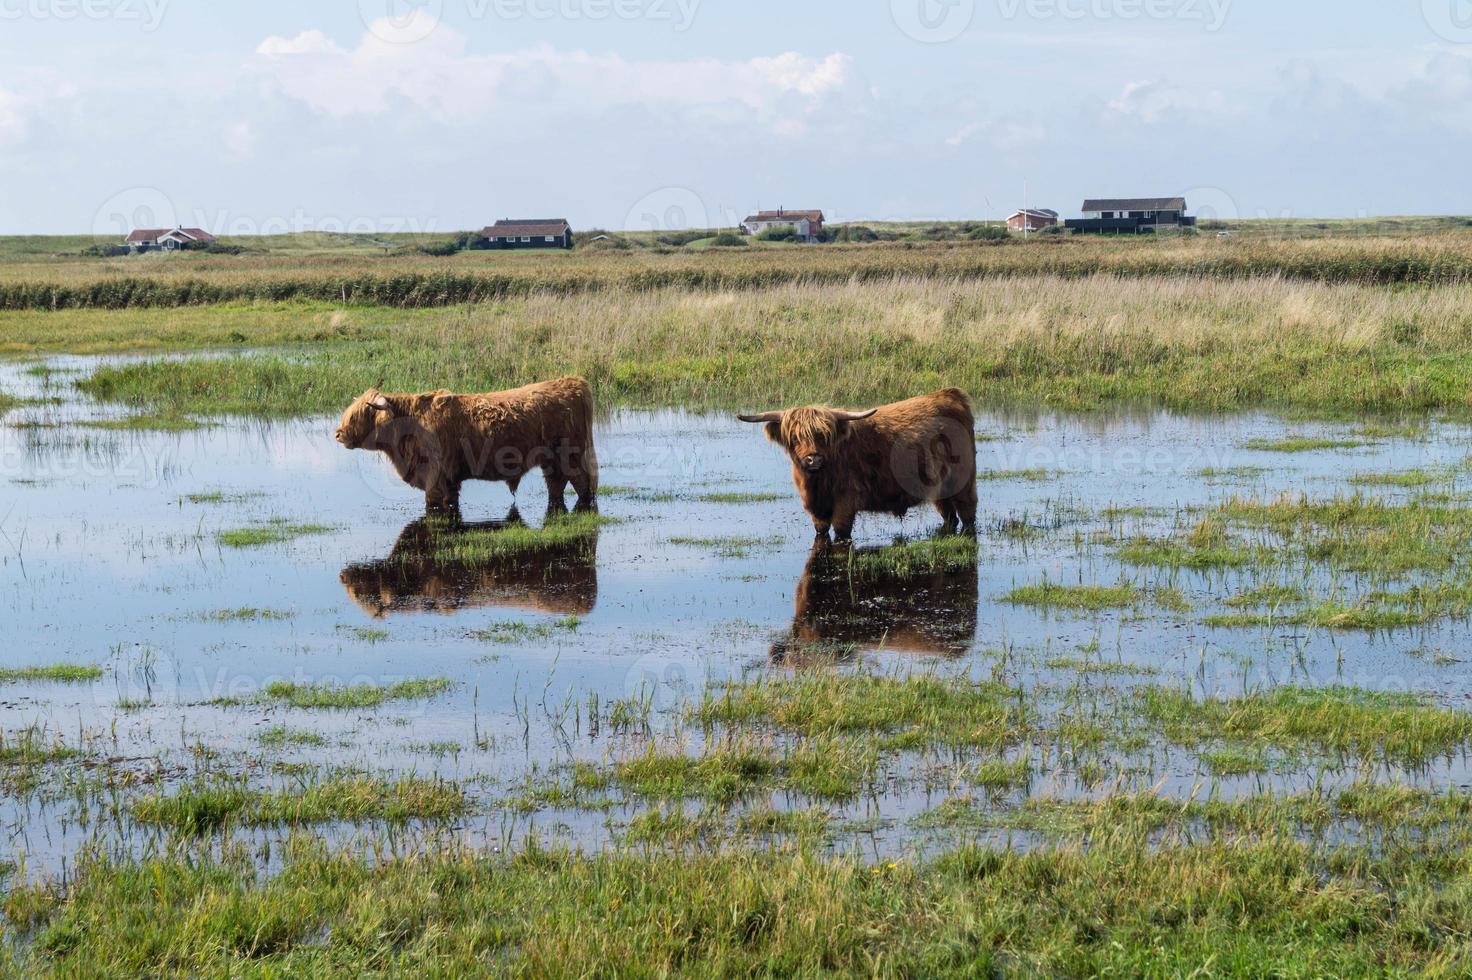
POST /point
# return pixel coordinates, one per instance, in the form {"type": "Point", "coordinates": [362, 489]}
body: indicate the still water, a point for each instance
{"type": "Point", "coordinates": [109, 555]}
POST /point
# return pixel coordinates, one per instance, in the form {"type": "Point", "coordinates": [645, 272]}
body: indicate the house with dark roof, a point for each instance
{"type": "Point", "coordinates": [808, 224]}
{"type": "Point", "coordinates": [1131, 214]}
{"type": "Point", "coordinates": [166, 239]}
{"type": "Point", "coordinates": [529, 233]}
{"type": "Point", "coordinates": [1032, 219]}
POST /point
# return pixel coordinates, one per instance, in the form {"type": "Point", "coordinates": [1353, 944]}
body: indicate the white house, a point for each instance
{"type": "Point", "coordinates": [809, 224]}
{"type": "Point", "coordinates": [166, 239]}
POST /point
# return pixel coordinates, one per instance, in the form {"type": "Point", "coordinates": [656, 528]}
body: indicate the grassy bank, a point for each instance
{"type": "Point", "coordinates": [1188, 343]}
{"type": "Point", "coordinates": [410, 281]}
{"type": "Point", "coordinates": [1115, 909]}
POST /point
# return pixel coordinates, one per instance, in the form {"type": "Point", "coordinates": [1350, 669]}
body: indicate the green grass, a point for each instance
{"type": "Point", "coordinates": [1299, 444]}
{"type": "Point", "coordinates": [280, 737]}
{"type": "Point", "coordinates": [275, 531]}
{"type": "Point", "coordinates": [729, 546]}
{"type": "Point", "coordinates": [1250, 908]}
{"type": "Point", "coordinates": [909, 558]}
{"type": "Point", "coordinates": [1079, 598]}
{"type": "Point", "coordinates": [1409, 479]}
{"type": "Point", "coordinates": [514, 631]}
{"type": "Point", "coordinates": [740, 498]}
{"type": "Point", "coordinates": [355, 695]}
{"type": "Point", "coordinates": [1030, 475]}
{"type": "Point", "coordinates": [247, 614]}
{"type": "Point", "coordinates": [910, 711]}
{"type": "Point", "coordinates": [1405, 728]}
{"type": "Point", "coordinates": [147, 423]}
{"type": "Point", "coordinates": [449, 542]}
{"type": "Point", "coordinates": [1206, 546]}
{"type": "Point", "coordinates": [207, 807]}
{"type": "Point", "coordinates": [217, 497]}
{"type": "Point", "coordinates": [50, 674]}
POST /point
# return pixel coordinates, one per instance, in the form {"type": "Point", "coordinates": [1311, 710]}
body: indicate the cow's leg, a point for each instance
{"type": "Point", "coordinates": [965, 503]}
{"type": "Point", "coordinates": [843, 521]}
{"type": "Point", "coordinates": [582, 470]}
{"type": "Point", "coordinates": [442, 495]}
{"type": "Point", "coordinates": [556, 491]}
{"type": "Point", "coordinates": [948, 519]}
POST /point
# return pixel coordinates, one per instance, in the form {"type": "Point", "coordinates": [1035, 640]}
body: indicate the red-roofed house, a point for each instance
{"type": "Point", "coordinates": [809, 224]}
{"type": "Point", "coordinates": [166, 239]}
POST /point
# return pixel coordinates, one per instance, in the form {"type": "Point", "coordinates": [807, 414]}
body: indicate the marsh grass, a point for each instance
{"type": "Point", "coordinates": [733, 497]}
{"type": "Point", "coordinates": [911, 557]}
{"type": "Point", "coordinates": [1206, 546]}
{"type": "Point", "coordinates": [452, 543]}
{"type": "Point", "coordinates": [514, 631]}
{"type": "Point", "coordinates": [1188, 343]}
{"type": "Point", "coordinates": [1112, 909]}
{"type": "Point", "coordinates": [729, 546]}
{"type": "Point", "coordinates": [910, 711]}
{"type": "Point", "coordinates": [275, 531]}
{"type": "Point", "coordinates": [280, 736]}
{"type": "Point", "coordinates": [147, 423]}
{"type": "Point", "coordinates": [246, 614]}
{"type": "Point", "coordinates": [334, 696]}
{"type": "Point", "coordinates": [1077, 598]}
{"type": "Point", "coordinates": [1404, 728]}
{"type": "Point", "coordinates": [1299, 444]}
{"type": "Point", "coordinates": [207, 807]}
{"type": "Point", "coordinates": [50, 674]}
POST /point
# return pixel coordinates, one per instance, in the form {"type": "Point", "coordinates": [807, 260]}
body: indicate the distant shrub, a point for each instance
{"type": "Point", "coordinates": [105, 251]}
{"type": "Point", "coordinates": [988, 233]}
{"type": "Point", "coordinates": [679, 239]}
{"type": "Point", "coordinates": [778, 233]}
{"type": "Point", "coordinates": [853, 233]}
{"type": "Point", "coordinates": [728, 239]}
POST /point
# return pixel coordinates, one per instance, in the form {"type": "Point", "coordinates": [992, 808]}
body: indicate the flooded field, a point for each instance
{"type": "Point", "coordinates": [219, 625]}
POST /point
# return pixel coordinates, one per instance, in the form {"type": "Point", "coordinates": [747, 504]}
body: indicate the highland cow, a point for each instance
{"type": "Point", "coordinates": [886, 460]}
{"type": "Point", "coordinates": [438, 440]}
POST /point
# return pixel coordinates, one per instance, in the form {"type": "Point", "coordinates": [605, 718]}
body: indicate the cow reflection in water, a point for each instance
{"type": "Point", "coordinates": [839, 613]}
{"type": "Point", "coordinates": [562, 579]}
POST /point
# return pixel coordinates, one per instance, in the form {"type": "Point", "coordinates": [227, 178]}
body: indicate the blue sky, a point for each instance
{"type": "Point", "coordinates": [446, 114]}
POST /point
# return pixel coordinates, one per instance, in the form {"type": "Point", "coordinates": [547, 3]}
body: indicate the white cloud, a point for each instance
{"type": "Point", "coordinates": [240, 138]}
{"type": "Point", "coordinates": [438, 77]}
{"type": "Point", "coordinates": [1152, 101]}
{"type": "Point", "coordinates": [15, 123]}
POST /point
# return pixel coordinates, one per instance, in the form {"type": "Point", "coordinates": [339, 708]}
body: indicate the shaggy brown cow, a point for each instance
{"type": "Point", "coordinates": [437, 440]}
{"type": "Point", "coordinates": [562, 579]}
{"type": "Point", "coordinates": [885, 460]}
{"type": "Point", "coordinates": [932, 614]}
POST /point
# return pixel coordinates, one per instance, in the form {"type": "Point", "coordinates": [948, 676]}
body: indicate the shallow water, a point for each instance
{"type": "Point", "coordinates": [105, 560]}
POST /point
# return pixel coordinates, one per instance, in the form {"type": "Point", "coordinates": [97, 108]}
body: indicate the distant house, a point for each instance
{"type": "Point", "coordinates": [1131, 214]}
{"type": "Point", "coordinates": [1032, 219]}
{"type": "Point", "coordinates": [809, 224]}
{"type": "Point", "coordinates": [166, 239]}
{"type": "Point", "coordinates": [529, 233]}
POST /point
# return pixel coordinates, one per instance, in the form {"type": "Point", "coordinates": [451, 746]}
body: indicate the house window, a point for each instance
{"type": "Point", "coordinates": [549, 238]}
{"type": "Point", "coordinates": [526, 238]}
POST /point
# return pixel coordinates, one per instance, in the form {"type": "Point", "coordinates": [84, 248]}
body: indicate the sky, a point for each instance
{"type": "Point", "coordinates": [268, 116]}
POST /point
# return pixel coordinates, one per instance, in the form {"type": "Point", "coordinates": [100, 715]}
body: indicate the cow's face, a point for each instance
{"type": "Point", "coordinates": [811, 436]}
{"type": "Point", "coordinates": [363, 417]}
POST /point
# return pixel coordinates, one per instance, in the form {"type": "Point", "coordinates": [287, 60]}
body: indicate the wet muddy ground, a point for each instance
{"type": "Point", "coordinates": [196, 568]}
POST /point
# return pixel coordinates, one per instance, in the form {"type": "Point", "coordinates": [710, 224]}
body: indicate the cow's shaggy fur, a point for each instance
{"type": "Point", "coordinates": [437, 440]}
{"type": "Point", "coordinates": [888, 461]}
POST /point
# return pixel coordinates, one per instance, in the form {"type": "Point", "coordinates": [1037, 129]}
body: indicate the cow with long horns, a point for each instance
{"type": "Point", "coordinates": [884, 460]}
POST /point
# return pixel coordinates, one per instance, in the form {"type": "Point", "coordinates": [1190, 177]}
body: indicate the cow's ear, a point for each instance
{"type": "Point", "coordinates": [773, 431]}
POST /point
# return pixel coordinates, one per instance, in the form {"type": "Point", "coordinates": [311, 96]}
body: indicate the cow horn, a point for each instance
{"type": "Point", "coordinates": [763, 417]}
{"type": "Point", "coordinates": [856, 416]}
